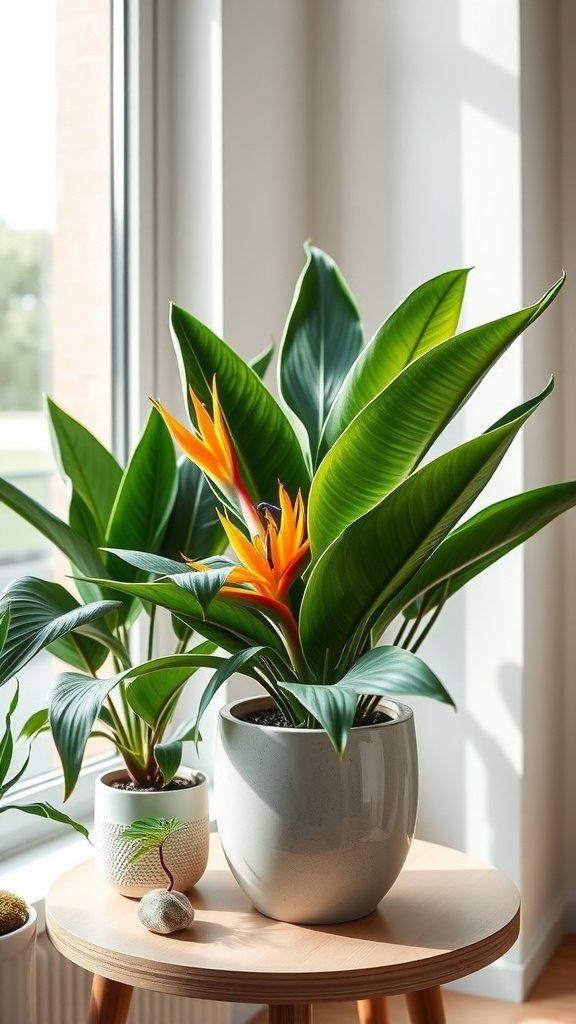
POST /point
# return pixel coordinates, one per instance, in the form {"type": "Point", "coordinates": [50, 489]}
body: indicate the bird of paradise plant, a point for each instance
{"type": "Point", "coordinates": [343, 533]}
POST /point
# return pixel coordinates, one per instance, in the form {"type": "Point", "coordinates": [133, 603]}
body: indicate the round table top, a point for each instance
{"type": "Point", "coordinates": [447, 916]}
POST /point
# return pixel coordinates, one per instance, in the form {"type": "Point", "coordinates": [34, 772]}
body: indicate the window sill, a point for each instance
{"type": "Point", "coordinates": [30, 872]}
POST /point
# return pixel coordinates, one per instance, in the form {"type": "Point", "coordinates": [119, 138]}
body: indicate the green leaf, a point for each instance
{"type": "Point", "coordinates": [46, 810]}
{"type": "Point", "coordinates": [333, 707]}
{"type": "Point", "coordinates": [41, 613]}
{"type": "Point", "coordinates": [86, 464]}
{"type": "Point", "coordinates": [4, 626]}
{"type": "Point", "coordinates": [266, 445]}
{"type": "Point", "coordinates": [168, 758]}
{"type": "Point", "coordinates": [478, 543]}
{"type": "Point", "coordinates": [378, 554]}
{"type": "Point", "coordinates": [427, 317]}
{"type": "Point", "coordinates": [204, 585]}
{"type": "Point", "coordinates": [229, 624]}
{"type": "Point", "coordinates": [193, 529]}
{"type": "Point", "coordinates": [390, 436]}
{"type": "Point", "coordinates": [261, 362]}
{"type": "Point", "coordinates": [322, 339]}
{"type": "Point", "coordinates": [394, 672]}
{"type": "Point", "coordinates": [7, 742]}
{"type": "Point", "coordinates": [150, 834]}
{"type": "Point", "coordinates": [157, 564]}
{"type": "Point", "coordinates": [150, 693]}
{"type": "Point", "coordinates": [74, 706]}
{"type": "Point", "coordinates": [236, 663]}
{"type": "Point", "coordinates": [74, 546]}
{"type": "Point", "coordinates": [146, 495]}
{"type": "Point", "coordinates": [33, 726]}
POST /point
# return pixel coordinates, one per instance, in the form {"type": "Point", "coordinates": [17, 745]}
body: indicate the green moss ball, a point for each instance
{"type": "Point", "coordinates": [13, 912]}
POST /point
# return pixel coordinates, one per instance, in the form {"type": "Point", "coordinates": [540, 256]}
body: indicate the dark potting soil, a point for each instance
{"type": "Point", "coordinates": [133, 788]}
{"type": "Point", "coordinates": [271, 716]}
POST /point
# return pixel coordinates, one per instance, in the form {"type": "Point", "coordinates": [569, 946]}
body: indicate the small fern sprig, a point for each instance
{"type": "Point", "coordinates": [151, 834]}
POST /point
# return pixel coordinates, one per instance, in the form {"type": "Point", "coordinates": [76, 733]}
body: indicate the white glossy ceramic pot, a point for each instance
{"type": "Point", "coordinates": [186, 852]}
{"type": "Point", "coordinates": [18, 973]}
{"type": "Point", "coordinates": [310, 838]}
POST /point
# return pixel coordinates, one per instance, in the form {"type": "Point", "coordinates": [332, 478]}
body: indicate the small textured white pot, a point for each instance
{"type": "Point", "coordinates": [18, 973]}
{"type": "Point", "coordinates": [310, 838]}
{"type": "Point", "coordinates": [186, 852]}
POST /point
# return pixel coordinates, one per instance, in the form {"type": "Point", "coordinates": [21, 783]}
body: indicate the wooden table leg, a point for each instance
{"type": "Point", "coordinates": [426, 1007]}
{"type": "Point", "coordinates": [289, 1013]}
{"type": "Point", "coordinates": [372, 1011]}
{"type": "Point", "coordinates": [109, 1002]}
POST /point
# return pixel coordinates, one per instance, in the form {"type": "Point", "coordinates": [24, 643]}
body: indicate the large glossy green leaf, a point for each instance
{"type": "Point", "coordinates": [378, 554]}
{"type": "Point", "coordinates": [41, 613]}
{"type": "Point", "coordinates": [390, 436]}
{"type": "Point", "coordinates": [86, 464]}
{"type": "Point", "coordinates": [193, 529]}
{"type": "Point", "coordinates": [266, 445]}
{"type": "Point", "coordinates": [322, 339]}
{"type": "Point", "coordinates": [477, 544]}
{"type": "Point", "coordinates": [227, 623]}
{"type": "Point", "coordinates": [74, 705]}
{"type": "Point", "coordinates": [145, 497]}
{"type": "Point", "coordinates": [428, 316]}
{"type": "Point", "coordinates": [74, 546]}
{"type": "Point", "coordinates": [333, 707]}
{"type": "Point", "coordinates": [393, 672]}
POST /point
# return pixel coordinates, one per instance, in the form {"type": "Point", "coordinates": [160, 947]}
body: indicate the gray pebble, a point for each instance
{"type": "Point", "coordinates": [164, 912]}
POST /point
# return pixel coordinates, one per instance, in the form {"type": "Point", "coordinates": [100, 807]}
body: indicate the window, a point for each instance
{"type": "Point", "coordinates": [55, 269]}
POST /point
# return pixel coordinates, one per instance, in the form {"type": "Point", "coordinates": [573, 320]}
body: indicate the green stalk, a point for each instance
{"type": "Point", "coordinates": [432, 619]}
{"type": "Point", "coordinates": [151, 632]}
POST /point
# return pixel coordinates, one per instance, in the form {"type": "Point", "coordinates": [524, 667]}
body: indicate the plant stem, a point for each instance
{"type": "Point", "coordinates": [151, 632]}
{"type": "Point", "coordinates": [431, 620]}
{"type": "Point", "coordinates": [400, 633]}
{"type": "Point", "coordinates": [289, 628]}
{"type": "Point", "coordinates": [166, 869]}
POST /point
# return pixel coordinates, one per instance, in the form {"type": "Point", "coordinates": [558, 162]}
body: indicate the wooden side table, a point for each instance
{"type": "Point", "coordinates": [447, 916]}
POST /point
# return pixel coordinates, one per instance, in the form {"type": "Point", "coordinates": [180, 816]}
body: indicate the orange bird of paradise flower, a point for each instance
{"type": "Point", "coordinates": [212, 450]}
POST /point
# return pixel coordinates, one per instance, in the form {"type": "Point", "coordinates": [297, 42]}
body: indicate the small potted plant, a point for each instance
{"type": "Point", "coordinates": [163, 506]}
{"type": "Point", "coordinates": [347, 544]}
{"type": "Point", "coordinates": [17, 917]}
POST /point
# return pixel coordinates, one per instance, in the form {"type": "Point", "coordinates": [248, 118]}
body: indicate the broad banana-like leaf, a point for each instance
{"type": "Point", "coordinates": [74, 705]}
{"type": "Point", "coordinates": [265, 442]}
{"type": "Point", "coordinates": [322, 339]}
{"type": "Point", "coordinates": [70, 543]}
{"type": "Point", "coordinates": [390, 436]}
{"type": "Point", "coordinates": [428, 316]}
{"type": "Point", "coordinates": [333, 707]}
{"type": "Point", "coordinates": [378, 554]}
{"type": "Point", "coordinates": [86, 465]}
{"type": "Point", "coordinates": [477, 544]}
{"type": "Point", "coordinates": [42, 612]}
{"type": "Point", "coordinates": [228, 624]}
{"type": "Point", "coordinates": [393, 672]}
{"type": "Point", "coordinates": [145, 497]}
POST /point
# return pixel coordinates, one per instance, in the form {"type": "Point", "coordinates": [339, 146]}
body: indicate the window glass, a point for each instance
{"type": "Point", "coordinates": [55, 270]}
